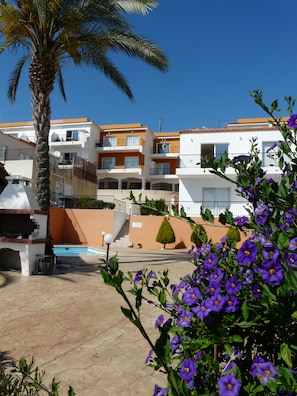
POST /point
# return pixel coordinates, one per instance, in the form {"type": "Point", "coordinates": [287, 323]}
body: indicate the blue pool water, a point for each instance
{"type": "Point", "coordinates": [77, 251]}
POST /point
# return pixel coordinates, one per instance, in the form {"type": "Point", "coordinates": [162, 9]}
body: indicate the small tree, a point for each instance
{"type": "Point", "coordinates": [165, 234]}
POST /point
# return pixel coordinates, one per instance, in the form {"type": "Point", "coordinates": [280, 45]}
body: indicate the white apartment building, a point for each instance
{"type": "Point", "coordinates": [200, 188]}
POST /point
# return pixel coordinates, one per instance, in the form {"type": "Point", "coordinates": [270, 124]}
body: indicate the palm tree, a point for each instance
{"type": "Point", "coordinates": [50, 32]}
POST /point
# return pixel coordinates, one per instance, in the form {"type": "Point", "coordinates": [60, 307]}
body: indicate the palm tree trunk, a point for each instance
{"type": "Point", "coordinates": [42, 76]}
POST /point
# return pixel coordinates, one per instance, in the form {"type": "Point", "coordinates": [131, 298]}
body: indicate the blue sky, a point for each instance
{"type": "Point", "coordinates": [219, 51]}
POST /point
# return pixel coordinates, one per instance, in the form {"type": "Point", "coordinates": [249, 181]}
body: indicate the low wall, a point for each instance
{"type": "Point", "coordinates": [81, 226]}
{"type": "Point", "coordinates": [85, 226]}
{"type": "Point", "coordinates": [144, 229]}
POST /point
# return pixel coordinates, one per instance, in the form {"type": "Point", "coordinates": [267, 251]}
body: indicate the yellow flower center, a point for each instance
{"type": "Point", "coordinates": [272, 271]}
{"type": "Point", "coordinates": [229, 386]}
{"type": "Point", "coordinates": [247, 252]}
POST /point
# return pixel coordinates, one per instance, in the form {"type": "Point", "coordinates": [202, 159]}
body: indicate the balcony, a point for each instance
{"type": "Point", "coordinates": [193, 208]}
{"type": "Point", "coordinates": [120, 145]}
{"type": "Point", "coordinates": [195, 164]}
{"type": "Point", "coordinates": [162, 173]}
{"type": "Point", "coordinates": [165, 151]}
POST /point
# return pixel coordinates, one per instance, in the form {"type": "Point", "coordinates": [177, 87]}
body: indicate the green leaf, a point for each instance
{"type": "Point", "coordinates": [128, 313]}
{"type": "Point", "coordinates": [207, 215]}
{"type": "Point", "coordinates": [245, 310]}
{"type": "Point", "coordinates": [237, 338]}
{"type": "Point", "coordinates": [162, 297]}
{"type": "Point", "coordinates": [106, 277]}
{"type": "Point", "coordinates": [286, 354]}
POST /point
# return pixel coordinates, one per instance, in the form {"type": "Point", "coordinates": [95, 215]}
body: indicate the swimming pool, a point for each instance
{"type": "Point", "coordinates": [76, 251]}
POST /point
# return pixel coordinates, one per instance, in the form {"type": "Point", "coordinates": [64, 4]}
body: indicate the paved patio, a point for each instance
{"type": "Point", "coordinates": [72, 324]}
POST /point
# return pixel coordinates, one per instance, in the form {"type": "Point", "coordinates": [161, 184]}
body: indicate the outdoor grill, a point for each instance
{"type": "Point", "coordinates": [23, 227]}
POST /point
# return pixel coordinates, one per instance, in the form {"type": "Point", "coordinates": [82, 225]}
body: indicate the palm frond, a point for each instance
{"type": "Point", "coordinates": [136, 6]}
{"type": "Point", "coordinates": [61, 82]}
{"type": "Point", "coordinates": [101, 62]}
{"type": "Point", "coordinates": [14, 78]}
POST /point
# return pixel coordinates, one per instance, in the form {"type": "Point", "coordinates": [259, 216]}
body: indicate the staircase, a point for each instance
{"type": "Point", "coordinates": [122, 239]}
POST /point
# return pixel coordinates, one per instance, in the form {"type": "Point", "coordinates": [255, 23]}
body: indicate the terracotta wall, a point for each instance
{"type": "Point", "coordinates": [81, 226]}
{"type": "Point", "coordinates": [144, 229]}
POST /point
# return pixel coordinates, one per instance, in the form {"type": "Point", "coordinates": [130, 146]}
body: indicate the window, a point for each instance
{"type": "Point", "coordinates": [72, 136]}
{"type": "Point", "coordinates": [269, 158]}
{"type": "Point", "coordinates": [216, 199]}
{"type": "Point", "coordinates": [68, 158]}
{"type": "Point", "coordinates": [212, 152]}
{"type": "Point", "coordinates": [108, 163]}
{"type": "Point", "coordinates": [162, 169]}
{"type": "Point", "coordinates": [131, 162]}
{"type": "Point", "coordinates": [109, 141]}
{"type": "Point", "coordinates": [24, 156]}
{"type": "Point", "coordinates": [132, 140]}
{"type": "Point", "coordinates": [163, 148]}
{"type": "Point", "coordinates": [2, 153]}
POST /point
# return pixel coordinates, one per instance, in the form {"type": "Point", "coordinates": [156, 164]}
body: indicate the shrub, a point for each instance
{"type": "Point", "coordinates": [233, 235]}
{"type": "Point", "coordinates": [165, 234]}
{"type": "Point", "coordinates": [229, 327]}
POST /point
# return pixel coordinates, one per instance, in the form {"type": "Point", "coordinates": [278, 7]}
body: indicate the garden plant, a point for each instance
{"type": "Point", "coordinates": [230, 327]}
{"type": "Point", "coordinates": [165, 234]}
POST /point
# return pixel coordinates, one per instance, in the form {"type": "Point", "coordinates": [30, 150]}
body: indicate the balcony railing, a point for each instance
{"type": "Point", "coordinates": [117, 144]}
{"type": "Point", "coordinates": [193, 208]}
{"type": "Point", "coordinates": [161, 172]}
{"type": "Point", "coordinates": [199, 161]}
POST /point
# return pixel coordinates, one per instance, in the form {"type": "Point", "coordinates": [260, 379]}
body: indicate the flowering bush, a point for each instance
{"type": "Point", "coordinates": [230, 326]}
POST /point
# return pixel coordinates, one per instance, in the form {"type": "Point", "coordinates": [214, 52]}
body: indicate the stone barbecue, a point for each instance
{"type": "Point", "coordinates": [23, 227]}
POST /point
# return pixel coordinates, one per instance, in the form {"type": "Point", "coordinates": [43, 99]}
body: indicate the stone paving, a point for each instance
{"type": "Point", "coordinates": [72, 324]}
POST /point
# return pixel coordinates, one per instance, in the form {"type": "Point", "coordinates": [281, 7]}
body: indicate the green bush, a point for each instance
{"type": "Point", "coordinates": [165, 234]}
{"type": "Point", "coordinates": [233, 235]}
{"type": "Point", "coordinates": [91, 203]}
{"type": "Point", "coordinates": [154, 207]}
{"type": "Point", "coordinates": [25, 378]}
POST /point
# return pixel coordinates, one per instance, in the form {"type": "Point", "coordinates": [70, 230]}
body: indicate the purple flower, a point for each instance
{"type": "Point", "coordinates": [229, 385]}
{"type": "Point", "coordinates": [149, 356]}
{"type": "Point", "coordinates": [262, 370]}
{"type": "Point", "coordinates": [292, 121]}
{"type": "Point", "coordinates": [216, 276]}
{"type": "Point", "coordinates": [159, 321]}
{"type": "Point", "coordinates": [293, 244]}
{"type": "Point", "coordinates": [205, 249]}
{"type": "Point", "coordinates": [175, 343]}
{"type": "Point", "coordinates": [291, 259]}
{"type": "Point", "coordinates": [241, 158]}
{"type": "Point", "coordinates": [272, 273]}
{"type": "Point", "coordinates": [184, 318]}
{"type": "Point", "coordinates": [247, 253]}
{"type": "Point", "coordinates": [188, 369]}
{"type": "Point", "coordinates": [160, 391]}
{"type": "Point", "coordinates": [261, 213]}
{"type": "Point", "coordinates": [202, 310]}
{"type": "Point", "coordinates": [232, 285]}
{"type": "Point", "coordinates": [232, 304]}
{"type": "Point", "coordinates": [213, 287]}
{"type": "Point", "coordinates": [138, 276]}
{"type": "Point", "coordinates": [217, 302]}
{"type": "Point", "coordinates": [210, 261]}
{"type": "Point", "coordinates": [191, 296]}
{"type": "Point", "coordinates": [257, 290]}
{"type": "Point", "coordinates": [271, 147]}
{"type": "Point", "coordinates": [241, 220]}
